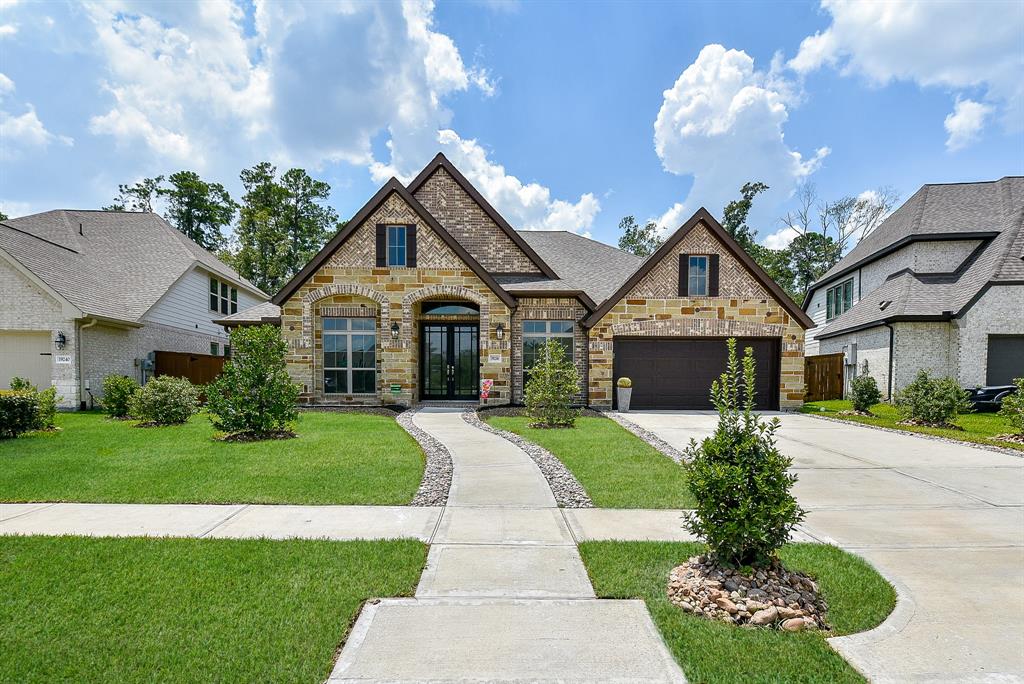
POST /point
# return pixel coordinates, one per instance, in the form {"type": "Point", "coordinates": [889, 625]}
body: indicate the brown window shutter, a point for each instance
{"type": "Point", "coordinates": [712, 275]}
{"type": "Point", "coordinates": [410, 246]}
{"type": "Point", "coordinates": [382, 245]}
{"type": "Point", "coordinates": [684, 275]}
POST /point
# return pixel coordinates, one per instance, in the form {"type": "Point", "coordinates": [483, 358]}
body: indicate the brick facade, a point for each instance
{"type": "Point", "coordinates": [549, 309]}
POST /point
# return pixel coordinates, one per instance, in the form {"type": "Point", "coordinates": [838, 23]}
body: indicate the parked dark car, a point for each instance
{"type": "Point", "coordinates": [989, 398]}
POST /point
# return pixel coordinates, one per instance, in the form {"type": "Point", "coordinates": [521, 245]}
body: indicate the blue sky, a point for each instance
{"type": "Point", "coordinates": [565, 115]}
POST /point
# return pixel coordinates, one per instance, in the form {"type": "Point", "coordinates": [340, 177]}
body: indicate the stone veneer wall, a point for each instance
{"type": "Point", "coordinates": [654, 309]}
{"type": "Point", "coordinates": [350, 278]}
{"type": "Point", "coordinates": [548, 309]}
{"type": "Point", "coordinates": [471, 226]}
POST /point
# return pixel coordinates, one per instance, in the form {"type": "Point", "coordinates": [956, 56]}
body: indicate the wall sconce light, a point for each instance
{"type": "Point", "coordinates": [500, 331]}
{"type": "Point", "coordinates": [60, 341]}
{"type": "Point", "coordinates": [395, 330]}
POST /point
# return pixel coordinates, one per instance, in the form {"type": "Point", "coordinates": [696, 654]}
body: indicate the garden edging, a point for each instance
{"type": "Point", "coordinates": [437, 474]}
{"type": "Point", "coordinates": [647, 436]}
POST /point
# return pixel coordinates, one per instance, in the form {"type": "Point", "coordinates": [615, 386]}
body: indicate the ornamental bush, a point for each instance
{"type": "Point", "coordinates": [118, 391]}
{"type": "Point", "coordinates": [46, 409]}
{"type": "Point", "coordinates": [19, 412]}
{"type": "Point", "coordinates": [553, 383]}
{"type": "Point", "coordinates": [165, 400]}
{"type": "Point", "coordinates": [744, 510]}
{"type": "Point", "coordinates": [254, 394]}
{"type": "Point", "coordinates": [1013, 407]}
{"type": "Point", "coordinates": [864, 393]}
{"type": "Point", "coordinates": [933, 401]}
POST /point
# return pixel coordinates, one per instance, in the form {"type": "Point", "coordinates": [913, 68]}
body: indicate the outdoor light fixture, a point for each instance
{"type": "Point", "coordinates": [501, 331]}
{"type": "Point", "coordinates": [394, 331]}
{"type": "Point", "coordinates": [60, 341]}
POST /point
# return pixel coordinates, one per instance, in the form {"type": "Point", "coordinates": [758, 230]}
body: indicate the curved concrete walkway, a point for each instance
{"type": "Point", "coordinates": [505, 596]}
{"type": "Point", "coordinates": [943, 521]}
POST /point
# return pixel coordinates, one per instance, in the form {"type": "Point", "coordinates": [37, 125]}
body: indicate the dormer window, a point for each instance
{"type": "Point", "coordinates": [223, 297]}
{"type": "Point", "coordinates": [839, 299]}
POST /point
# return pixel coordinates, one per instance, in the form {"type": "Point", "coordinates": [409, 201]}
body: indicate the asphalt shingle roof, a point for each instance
{"type": "Point", "coordinates": [581, 263]}
{"type": "Point", "coordinates": [118, 267]}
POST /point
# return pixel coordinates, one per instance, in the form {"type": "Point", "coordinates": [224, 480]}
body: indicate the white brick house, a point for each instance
{"type": "Point", "coordinates": [87, 294]}
{"type": "Point", "coordinates": [939, 285]}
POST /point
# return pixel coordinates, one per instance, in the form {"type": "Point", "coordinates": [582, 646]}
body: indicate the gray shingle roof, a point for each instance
{"type": "Point", "coordinates": [118, 267]}
{"type": "Point", "coordinates": [581, 263]}
{"type": "Point", "coordinates": [261, 313]}
{"type": "Point", "coordinates": [995, 206]}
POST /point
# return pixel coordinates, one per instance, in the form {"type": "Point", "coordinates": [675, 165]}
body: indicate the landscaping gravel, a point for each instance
{"type": "Point", "coordinates": [437, 476]}
{"type": "Point", "coordinates": [568, 491]}
{"type": "Point", "coordinates": [647, 436]}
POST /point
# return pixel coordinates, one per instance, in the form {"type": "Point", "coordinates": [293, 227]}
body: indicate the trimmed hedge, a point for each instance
{"type": "Point", "coordinates": [19, 412]}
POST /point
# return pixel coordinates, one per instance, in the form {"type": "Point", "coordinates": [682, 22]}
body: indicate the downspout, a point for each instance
{"type": "Point", "coordinates": [81, 371]}
{"type": "Point", "coordinates": [891, 333]}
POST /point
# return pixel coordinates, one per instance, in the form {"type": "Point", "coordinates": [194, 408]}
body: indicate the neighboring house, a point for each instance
{"type": "Point", "coordinates": [938, 286]}
{"type": "Point", "coordinates": [87, 294]}
{"type": "Point", "coordinates": [427, 293]}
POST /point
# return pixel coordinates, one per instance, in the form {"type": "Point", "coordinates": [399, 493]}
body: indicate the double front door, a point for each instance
{"type": "Point", "coordinates": [450, 361]}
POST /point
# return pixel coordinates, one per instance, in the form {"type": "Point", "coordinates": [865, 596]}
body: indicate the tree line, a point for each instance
{"type": "Point", "coordinates": [823, 231]}
{"type": "Point", "coordinates": [282, 220]}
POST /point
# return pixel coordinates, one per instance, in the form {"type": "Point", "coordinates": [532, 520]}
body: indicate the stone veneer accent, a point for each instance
{"type": "Point", "coordinates": [548, 309]}
{"type": "Point", "coordinates": [349, 278]}
{"type": "Point", "coordinates": [653, 308]}
{"type": "Point", "coordinates": [471, 226]}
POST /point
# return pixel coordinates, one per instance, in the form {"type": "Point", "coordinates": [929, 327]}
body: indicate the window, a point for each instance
{"type": "Point", "coordinates": [396, 246]}
{"type": "Point", "coordinates": [214, 349]}
{"type": "Point", "coordinates": [451, 309]}
{"type": "Point", "coordinates": [350, 349]}
{"type": "Point", "coordinates": [839, 299]}
{"type": "Point", "coordinates": [227, 351]}
{"type": "Point", "coordinates": [697, 276]}
{"type": "Point", "coordinates": [223, 297]}
{"type": "Point", "coordinates": [537, 333]}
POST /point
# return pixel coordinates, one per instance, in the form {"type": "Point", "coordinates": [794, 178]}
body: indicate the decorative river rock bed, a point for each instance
{"type": "Point", "coordinates": [773, 597]}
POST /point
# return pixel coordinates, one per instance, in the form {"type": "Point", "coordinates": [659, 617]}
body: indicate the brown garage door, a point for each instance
{"type": "Point", "coordinates": [677, 373]}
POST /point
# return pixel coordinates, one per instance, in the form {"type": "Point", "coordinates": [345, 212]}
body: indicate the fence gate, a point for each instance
{"type": "Point", "coordinates": [199, 369]}
{"type": "Point", "coordinates": [824, 377]}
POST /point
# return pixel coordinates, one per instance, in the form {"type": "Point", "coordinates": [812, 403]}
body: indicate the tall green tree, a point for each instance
{"type": "Point", "coordinates": [137, 197]}
{"type": "Point", "coordinates": [198, 209]}
{"type": "Point", "coordinates": [734, 216]}
{"type": "Point", "coordinates": [307, 221]}
{"type": "Point", "coordinates": [637, 239]}
{"type": "Point", "coordinates": [3, 216]}
{"type": "Point", "coordinates": [262, 239]}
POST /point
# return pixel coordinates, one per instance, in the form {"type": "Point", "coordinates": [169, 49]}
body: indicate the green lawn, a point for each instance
{"type": "Point", "coordinates": [977, 427]}
{"type": "Point", "coordinates": [618, 469]}
{"type": "Point", "coordinates": [338, 458]}
{"type": "Point", "coordinates": [712, 652]}
{"type": "Point", "coordinates": [76, 609]}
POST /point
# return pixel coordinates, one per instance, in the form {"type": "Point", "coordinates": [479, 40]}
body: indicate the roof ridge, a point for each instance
{"type": "Point", "coordinates": [997, 180]}
{"type": "Point", "coordinates": [41, 239]}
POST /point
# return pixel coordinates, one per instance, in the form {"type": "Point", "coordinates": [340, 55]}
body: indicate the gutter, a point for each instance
{"type": "Point", "coordinates": [81, 371]}
{"type": "Point", "coordinates": [891, 340]}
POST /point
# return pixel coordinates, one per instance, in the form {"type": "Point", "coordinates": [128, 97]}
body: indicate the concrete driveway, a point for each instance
{"type": "Point", "coordinates": [944, 522]}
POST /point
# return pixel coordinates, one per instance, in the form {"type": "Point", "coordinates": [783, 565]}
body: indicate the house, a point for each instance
{"type": "Point", "coordinates": [938, 286]}
{"type": "Point", "coordinates": [87, 294]}
{"type": "Point", "coordinates": [429, 294]}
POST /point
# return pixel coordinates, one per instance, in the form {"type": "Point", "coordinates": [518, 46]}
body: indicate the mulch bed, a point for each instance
{"type": "Point", "coordinates": [486, 412]}
{"type": "Point", "coordinates": [257, 437]}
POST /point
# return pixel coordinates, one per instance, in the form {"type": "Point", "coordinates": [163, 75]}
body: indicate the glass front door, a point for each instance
{"type": "Point", "coordinates": [450, 361]}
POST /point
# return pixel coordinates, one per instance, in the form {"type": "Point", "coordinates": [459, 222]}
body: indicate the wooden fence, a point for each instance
{"type": "Point", "coordinates": [199, 369]}
{"type": "Point", "coordinates": [824, 377]}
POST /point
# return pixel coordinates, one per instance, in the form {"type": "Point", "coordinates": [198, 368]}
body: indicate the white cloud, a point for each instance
{"type": "Point", "coordinates": [953, 45]}
{"type": "Point", "coordinates": [722, 122]}
{"type": "Point", "coordinates": [7, 30]}
{"type": "Point", "coordinates": [6, 85]}
{"type": "Point", "coordinates": [780, 239]}
{"type": "Point", "coordinates": [964, 123]}
{"type": "Point", "coordinates": [25, 131]}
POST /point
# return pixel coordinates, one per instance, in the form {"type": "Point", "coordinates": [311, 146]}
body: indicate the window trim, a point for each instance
{"type": "Point", "coordinates": [222, 297]}
{"type": "Point", "coordinates": [545, 337]}
{"type": "Point", "coordinates": [835, 298]}
{"type": "Point", "coordinates": [404, 247]}
{"type": "Point", "coordinates": [348, 333]}
{"type": "Point", "coordinates": [692, 277]}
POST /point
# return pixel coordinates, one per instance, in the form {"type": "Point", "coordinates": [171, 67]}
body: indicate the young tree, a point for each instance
{"type": "Point", "coordinates": [554, 381]}
{"type": "Point", "coordinates": [734, 216]}
{"type": "Point", "coordinates": [637, 239]}
{"type": "Point", "coordinates": [197, 208]}
{"type": "Point", "coordinates": [137, 197]}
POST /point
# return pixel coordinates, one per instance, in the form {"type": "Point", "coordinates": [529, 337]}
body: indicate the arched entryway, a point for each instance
{"type": "Point", "coordinates": [448, 350]}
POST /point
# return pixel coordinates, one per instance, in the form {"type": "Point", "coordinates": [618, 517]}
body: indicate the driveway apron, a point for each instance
{"type": "Point", "coordinates": [505, 595]}
{"type": "Point", "coordinates": [943, 521]}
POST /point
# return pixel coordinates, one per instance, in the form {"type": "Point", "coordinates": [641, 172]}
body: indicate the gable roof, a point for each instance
{"type": "Point", "coordinates": [999, 258]}
{"type": "Point", "coordinates": [701, 216]}
{"type": "Point", "coordinates": [117, 267]}
{"type": "Point", "coordinates": [393, 186]}
{"type": "Point", "coordinates": [441, 161]}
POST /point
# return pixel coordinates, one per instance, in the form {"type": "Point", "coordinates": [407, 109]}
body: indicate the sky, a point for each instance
{"type": "Point", "coordinates": [565, 115]}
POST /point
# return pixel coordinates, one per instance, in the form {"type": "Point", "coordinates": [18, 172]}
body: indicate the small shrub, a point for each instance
{"type": "Point", "coordinates": [1013, 407]}
{"type": "Point", "coordinates": [165, 400]}
{"type": "Point", "coordinates": [254, 394]}
{"type": "Point", "coordinates": [19, 412]}
{"type": "Point", "coordinates": [932, 401]}
{"type": "Point", "coordinates": [864, 393]}
{"type": "Point", "coordinates": [744, 510]}
{"type": "Point", "coordinates": [22, 385]}
{"type": "Point", "coordinates": [624, 383]}
{"type": "Point", "coordinates": [118, 391]}
{"type": "Point", "coordinates": [46, 402]}
{"type": "Point", "coordinates": [553, 383]}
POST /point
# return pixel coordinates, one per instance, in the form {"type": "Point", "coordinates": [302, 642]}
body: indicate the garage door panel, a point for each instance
{"type": "Point", "coordinates": [25, 355]}
{"type": "Point", "coordinates": [1005, 359]}
{"type": "Point", "coordinates": [677, 373]}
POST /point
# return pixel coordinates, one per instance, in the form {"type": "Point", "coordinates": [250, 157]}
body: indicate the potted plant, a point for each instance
{"type": "Point", "coordinates": [625, 391]}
